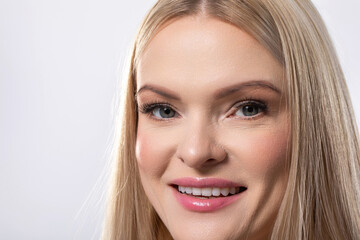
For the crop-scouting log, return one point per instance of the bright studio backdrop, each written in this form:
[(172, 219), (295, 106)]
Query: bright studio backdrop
[(59, 63)]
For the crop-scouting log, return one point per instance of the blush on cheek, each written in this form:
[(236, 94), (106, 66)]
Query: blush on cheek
[(151, 154), (262, 152), (270, 152)]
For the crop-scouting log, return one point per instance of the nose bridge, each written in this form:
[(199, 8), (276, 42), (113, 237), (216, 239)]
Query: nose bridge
[(199, 144)]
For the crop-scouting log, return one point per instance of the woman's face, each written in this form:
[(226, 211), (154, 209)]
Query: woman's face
[(212, 130)]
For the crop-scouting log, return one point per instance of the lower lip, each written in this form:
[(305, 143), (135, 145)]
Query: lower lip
[(204, 205)]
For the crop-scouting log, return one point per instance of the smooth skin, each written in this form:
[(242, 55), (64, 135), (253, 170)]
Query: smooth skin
[(211, 104)]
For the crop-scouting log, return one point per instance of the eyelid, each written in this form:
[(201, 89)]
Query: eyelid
[(250, 101)]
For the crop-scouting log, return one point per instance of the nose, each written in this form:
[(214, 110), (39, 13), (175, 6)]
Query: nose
[(199, 146)]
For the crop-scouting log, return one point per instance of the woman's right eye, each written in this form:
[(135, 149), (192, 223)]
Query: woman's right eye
[(158, 111), (163, 112)]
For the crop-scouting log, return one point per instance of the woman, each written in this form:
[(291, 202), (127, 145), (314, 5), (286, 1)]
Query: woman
[(236, 124)]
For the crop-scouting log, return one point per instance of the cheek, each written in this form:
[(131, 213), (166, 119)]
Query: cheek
[(270, 147), (153, 151), (262, 152)]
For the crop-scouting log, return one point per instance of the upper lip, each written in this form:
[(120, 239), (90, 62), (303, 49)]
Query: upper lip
[(205, 182)]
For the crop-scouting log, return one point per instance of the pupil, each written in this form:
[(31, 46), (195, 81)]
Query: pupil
[(250, 110), (167, 111)]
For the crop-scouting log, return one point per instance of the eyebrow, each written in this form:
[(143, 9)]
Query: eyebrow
[(158, 90), (221, 93)]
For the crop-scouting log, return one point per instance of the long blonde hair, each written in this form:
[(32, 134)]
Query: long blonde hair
[(322, 199)]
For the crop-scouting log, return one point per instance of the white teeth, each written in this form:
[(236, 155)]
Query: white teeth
[(181, 189), (216, 192), (208, 191), (196, 191), (225, 191)]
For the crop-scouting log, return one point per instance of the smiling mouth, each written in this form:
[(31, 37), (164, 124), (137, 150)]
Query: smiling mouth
[(209, 192)]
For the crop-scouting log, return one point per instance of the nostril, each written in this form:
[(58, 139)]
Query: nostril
[(214, 161), (210, 162)]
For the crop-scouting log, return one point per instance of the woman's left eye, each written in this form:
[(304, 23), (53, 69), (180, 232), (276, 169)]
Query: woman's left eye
[(250, 109)]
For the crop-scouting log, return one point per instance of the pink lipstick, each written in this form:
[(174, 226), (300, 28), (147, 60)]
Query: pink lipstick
[(206, 194)]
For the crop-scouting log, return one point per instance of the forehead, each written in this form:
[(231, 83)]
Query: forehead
[(198, 52)]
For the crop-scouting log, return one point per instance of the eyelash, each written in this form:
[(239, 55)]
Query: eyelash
[(148, 108)]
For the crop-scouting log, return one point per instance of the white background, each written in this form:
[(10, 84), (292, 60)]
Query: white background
[(59, 65)]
